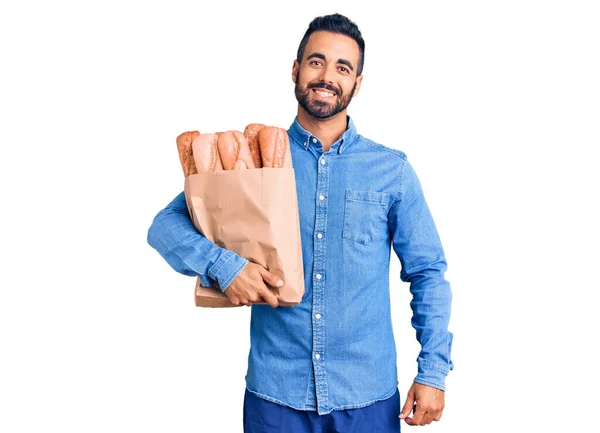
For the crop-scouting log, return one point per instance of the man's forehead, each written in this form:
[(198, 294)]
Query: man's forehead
[(332, 45)]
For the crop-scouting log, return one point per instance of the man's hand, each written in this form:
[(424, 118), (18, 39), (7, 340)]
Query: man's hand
[(426, 403), (249, 286)]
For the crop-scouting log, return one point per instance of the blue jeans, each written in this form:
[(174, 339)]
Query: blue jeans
[(263, 416)]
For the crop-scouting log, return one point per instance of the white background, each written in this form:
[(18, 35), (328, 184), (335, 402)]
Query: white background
[(496, 104)]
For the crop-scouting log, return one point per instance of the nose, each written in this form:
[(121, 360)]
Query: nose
[(327, 75)]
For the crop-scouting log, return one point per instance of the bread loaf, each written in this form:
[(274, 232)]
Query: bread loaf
[(206, 153), (234, 151), (274, 147), (184, 146), (258, 146), (251, 134)]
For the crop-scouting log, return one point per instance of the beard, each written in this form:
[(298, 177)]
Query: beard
[(322, 109)]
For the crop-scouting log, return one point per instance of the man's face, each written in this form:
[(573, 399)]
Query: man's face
[(326, 78)]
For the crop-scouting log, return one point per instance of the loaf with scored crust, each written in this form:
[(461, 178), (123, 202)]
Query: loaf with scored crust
[(234, 151), (274, 147), (206, 153), (251, 134), (184, 147)]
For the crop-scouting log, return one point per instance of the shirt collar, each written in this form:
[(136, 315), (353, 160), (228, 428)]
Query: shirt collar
[(305, 138)]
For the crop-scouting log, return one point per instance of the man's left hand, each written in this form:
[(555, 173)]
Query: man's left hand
[(425, 402)]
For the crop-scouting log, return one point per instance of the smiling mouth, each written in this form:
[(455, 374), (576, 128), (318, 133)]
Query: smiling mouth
[(325, 94)]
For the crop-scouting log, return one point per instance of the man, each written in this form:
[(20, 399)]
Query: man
[(329, 363)]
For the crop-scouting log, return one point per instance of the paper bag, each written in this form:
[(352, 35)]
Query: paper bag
[(253, 212)]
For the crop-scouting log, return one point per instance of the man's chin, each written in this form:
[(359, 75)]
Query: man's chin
[(322, 115), (320, 109)]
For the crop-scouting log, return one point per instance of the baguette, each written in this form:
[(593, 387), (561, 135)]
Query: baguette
[(234, 151), (251, 134), (184, 146), (206, 153), (274, 146)]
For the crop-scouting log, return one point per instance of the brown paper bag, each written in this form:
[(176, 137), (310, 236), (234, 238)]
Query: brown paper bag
[(253, 212)]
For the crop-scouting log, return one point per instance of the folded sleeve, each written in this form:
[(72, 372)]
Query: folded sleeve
[(417, 244), (173, 235)]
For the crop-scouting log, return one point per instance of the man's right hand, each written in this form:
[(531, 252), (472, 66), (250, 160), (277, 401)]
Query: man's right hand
[(249, 286)]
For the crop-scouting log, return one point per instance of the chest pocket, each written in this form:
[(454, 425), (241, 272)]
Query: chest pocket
[(365, 216)]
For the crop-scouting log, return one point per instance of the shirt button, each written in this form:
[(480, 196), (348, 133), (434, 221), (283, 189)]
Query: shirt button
[(319, 235), (318, 356), (321, 197), (322, 162), (318, 276), (314, 140), (318, 316)]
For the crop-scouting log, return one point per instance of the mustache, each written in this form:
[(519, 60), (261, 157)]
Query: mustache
[(326, 87)]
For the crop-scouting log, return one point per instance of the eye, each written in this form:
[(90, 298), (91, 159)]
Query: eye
[(343, 69), (315, 62)]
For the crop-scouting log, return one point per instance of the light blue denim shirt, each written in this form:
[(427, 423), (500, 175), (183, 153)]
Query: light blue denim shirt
[(336, 349)]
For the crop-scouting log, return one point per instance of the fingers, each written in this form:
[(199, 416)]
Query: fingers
[(269, 296), (408, 405), (253, 298), (239, 295), (422, 416), (270, 278), (411, 420), (264, 291), (251, 287)]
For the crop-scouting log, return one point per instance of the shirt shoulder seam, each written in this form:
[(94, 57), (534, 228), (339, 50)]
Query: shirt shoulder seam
[(379, 146), (399, 153)]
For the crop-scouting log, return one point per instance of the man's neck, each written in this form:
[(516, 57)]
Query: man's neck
[(327, 130)]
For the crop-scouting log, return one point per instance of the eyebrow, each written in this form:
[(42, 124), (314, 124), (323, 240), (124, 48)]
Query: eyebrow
[(322, 57)]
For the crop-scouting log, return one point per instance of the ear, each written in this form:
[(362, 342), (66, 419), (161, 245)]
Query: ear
[(358, 84), (295, 70)]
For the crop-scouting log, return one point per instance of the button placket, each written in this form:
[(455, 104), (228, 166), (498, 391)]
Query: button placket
[(321, 389)]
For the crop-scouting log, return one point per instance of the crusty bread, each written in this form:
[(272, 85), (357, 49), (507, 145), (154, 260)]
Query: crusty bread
[(184, 146), (274, 147), (251, 134), (234, 151), (206, 153)]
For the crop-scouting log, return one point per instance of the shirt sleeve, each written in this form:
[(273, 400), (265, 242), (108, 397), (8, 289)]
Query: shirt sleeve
[(416, 242), (187, 251)]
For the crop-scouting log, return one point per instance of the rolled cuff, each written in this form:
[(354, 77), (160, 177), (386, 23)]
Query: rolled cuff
[(432, 374), (227, 268), (206, 281)]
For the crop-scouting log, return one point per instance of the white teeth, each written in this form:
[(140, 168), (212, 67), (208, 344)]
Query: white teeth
[(324, 94)]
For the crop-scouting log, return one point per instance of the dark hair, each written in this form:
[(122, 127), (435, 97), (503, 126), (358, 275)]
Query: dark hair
[(335, 23)]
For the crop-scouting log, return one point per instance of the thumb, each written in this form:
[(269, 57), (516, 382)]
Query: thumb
[(408, 405), (270, 278)]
